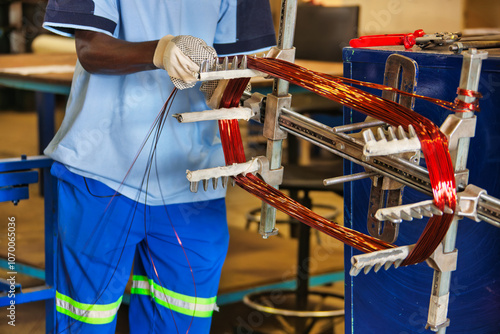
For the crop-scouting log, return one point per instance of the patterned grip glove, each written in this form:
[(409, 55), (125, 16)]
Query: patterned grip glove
[(181, 57)]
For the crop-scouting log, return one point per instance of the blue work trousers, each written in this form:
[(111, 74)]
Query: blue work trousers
[(177, 252)]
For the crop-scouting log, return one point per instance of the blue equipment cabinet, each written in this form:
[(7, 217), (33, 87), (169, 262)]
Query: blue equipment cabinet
[(397, 300)]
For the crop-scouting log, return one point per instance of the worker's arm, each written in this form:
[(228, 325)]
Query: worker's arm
[(102, 54)]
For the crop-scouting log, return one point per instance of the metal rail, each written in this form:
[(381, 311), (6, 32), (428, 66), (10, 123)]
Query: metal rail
[(349, 148)]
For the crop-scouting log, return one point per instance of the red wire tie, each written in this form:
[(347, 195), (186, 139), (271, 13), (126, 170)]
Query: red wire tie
[(468, 92), (462, 106)]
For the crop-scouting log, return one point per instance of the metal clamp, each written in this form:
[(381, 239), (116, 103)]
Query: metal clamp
[(274, 104), (407, 212), (468, 201), (384, 258), (399, 141), (283, 54), (227, 69), (256, 103), (441, 261), (273, 177), (455, 128), (215, 114), (258, 165)]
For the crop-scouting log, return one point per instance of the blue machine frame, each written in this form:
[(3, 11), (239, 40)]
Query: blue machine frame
[(15, 175), (397, 300)]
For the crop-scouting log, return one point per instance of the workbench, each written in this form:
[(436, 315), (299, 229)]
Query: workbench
[(46, 75)]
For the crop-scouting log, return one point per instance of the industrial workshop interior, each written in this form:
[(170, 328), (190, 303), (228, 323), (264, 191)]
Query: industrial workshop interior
[(354, 143)]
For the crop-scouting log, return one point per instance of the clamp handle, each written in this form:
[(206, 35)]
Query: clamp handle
[(408, 40)]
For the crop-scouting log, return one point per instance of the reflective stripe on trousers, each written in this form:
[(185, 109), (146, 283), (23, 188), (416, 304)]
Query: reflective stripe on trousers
[(95, 314), (194, 306)]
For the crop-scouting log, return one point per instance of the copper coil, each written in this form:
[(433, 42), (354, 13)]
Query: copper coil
[(434, 147)]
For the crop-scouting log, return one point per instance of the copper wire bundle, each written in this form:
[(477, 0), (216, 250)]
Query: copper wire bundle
[(434, 147), (234, 153)]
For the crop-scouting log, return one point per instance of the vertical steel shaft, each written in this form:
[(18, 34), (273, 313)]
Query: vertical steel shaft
[(438, 308), (280, 89)]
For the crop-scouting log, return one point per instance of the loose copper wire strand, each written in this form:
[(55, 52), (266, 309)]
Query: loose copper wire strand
[(434, 143)]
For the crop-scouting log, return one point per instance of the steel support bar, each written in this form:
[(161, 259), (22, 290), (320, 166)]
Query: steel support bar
[(280, 89), (438, 309)]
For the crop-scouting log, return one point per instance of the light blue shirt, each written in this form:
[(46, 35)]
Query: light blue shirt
[(108, 119)]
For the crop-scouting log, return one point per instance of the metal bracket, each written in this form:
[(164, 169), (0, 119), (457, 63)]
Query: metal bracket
[(273, 177), (462, 179), (468, 201), (283, 54), (274, 104), (215, 114), (257, 104), (399, 141), (407, 212), (258, 165), (443, 261), (387, 231), (400, 72), (227, 69), (15, 176), (384, 258), (455, 128), (395, 256)]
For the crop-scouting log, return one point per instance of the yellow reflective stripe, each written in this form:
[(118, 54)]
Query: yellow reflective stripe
[(95, 314), (171, 306), (173, 294), (144, 286), (88, 320)]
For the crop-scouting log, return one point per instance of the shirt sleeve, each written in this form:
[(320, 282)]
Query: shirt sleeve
[(246, 26), (64, 16)]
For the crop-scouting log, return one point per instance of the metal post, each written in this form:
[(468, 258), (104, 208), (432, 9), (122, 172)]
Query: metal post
[(280, 89), (51, 234), (437, 320), (45, 105)]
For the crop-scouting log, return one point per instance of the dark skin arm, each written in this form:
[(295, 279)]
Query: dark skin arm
[(102, 54)]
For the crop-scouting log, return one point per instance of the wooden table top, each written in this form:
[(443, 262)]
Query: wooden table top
[(39, 68), (33, 61)]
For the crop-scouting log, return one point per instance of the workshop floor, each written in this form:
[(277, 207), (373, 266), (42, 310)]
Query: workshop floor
[(18, 136)]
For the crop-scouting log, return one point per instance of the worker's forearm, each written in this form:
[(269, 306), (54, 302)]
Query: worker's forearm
[(103, 54)]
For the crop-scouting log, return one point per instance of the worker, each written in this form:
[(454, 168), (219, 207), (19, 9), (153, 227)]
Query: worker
[(123, 195)]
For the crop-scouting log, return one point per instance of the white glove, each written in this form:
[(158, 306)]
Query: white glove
[(181, 57)]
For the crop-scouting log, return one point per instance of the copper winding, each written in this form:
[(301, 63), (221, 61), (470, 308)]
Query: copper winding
[(434, 147)]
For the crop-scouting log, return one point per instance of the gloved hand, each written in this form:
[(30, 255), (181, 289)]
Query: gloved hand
[(181, 57)]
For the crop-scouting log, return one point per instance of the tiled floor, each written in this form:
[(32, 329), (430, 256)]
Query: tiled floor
[(18, 136)]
